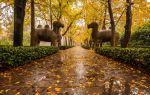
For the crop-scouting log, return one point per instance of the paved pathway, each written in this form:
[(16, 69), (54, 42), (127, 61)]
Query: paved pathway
[(75, 71)]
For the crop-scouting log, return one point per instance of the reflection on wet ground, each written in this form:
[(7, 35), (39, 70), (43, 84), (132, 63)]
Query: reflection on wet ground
[(74, 71)]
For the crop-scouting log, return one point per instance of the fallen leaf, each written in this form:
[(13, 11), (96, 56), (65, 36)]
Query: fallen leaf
[(82, 86), (18, 93), (58, 89), (7, 90), (58, 81), (58, 76), (70, 81), (37, 93), (51, 93), (17, 82), (1, 91), (89, 83), (29, 83), (49, 89)]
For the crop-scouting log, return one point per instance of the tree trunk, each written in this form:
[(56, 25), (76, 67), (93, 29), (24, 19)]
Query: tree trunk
[(128, 25), (67, 28), (112, 23), (66, 41), (32, 24), (71, 42), (50, 14), (104, 21), (19, 14)]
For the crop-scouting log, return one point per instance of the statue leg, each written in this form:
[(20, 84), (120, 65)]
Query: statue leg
[(59, 43), (95, 45), (92, 45), (55, 43), (116, 41), (101, 44), (37, 42), (111, 43)]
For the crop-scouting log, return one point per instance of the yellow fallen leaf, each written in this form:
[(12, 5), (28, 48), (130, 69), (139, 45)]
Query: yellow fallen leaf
[(7, 90), (49, 87), (29, 83), (1, 91), (18, 93), (51, 93), (82, 86), (17, 82), (89, 83), (58, 76), (58, 81), (70, 81), (37, 93), (58, 89)]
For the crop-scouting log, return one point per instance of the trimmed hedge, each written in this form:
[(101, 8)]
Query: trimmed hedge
[(65, 47), (139, 57), (16, 56), (86, 47)]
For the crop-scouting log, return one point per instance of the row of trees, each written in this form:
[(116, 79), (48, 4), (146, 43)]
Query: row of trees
[(19, 11)]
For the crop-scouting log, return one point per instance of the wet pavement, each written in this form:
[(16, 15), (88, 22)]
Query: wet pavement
[(75, 71)]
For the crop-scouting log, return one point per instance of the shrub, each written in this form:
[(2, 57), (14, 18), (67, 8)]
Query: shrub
[(16, 56), (65, 47), (86, 47), (141, 37), (139, 57)]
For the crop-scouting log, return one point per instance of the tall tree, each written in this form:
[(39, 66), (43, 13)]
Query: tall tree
[(32, 23), (128, 25), (104, 20), (112, 22), (50, 13), (19, 14)]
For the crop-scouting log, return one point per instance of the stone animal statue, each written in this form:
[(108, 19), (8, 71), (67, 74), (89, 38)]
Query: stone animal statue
[(47, 35), (98, 37)]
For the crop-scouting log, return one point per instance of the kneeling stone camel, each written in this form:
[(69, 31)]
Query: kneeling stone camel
[(48, 35), (102, 36)]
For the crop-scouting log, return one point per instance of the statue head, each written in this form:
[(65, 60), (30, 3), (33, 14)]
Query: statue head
[(93, 25), (58, 24)]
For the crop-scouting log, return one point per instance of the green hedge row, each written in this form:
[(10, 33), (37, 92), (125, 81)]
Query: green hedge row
[(65, 47), (16, 56), (86, 47), (139, 57)]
